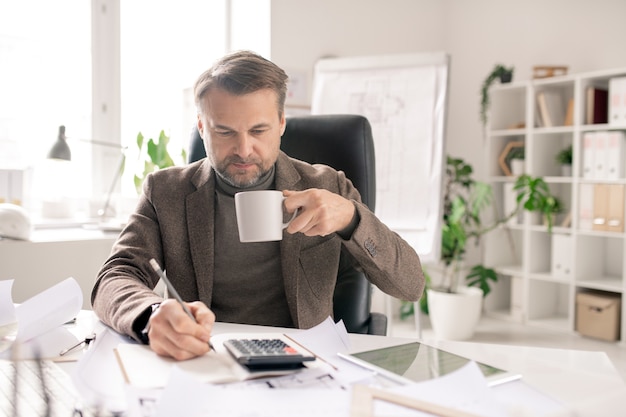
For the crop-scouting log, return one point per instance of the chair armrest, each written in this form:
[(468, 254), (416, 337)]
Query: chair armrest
[(378, 324)]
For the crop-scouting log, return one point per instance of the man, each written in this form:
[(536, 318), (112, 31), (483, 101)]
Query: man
[(185, 219)]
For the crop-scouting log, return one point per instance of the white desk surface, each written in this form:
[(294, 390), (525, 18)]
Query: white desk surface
[(586, 381)]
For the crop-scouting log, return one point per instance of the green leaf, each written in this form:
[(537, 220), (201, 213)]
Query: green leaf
[(479, 276), (139, 141), (407, 309), (138, 182)]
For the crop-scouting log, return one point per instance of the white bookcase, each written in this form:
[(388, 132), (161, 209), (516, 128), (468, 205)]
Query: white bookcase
[(549, 269)]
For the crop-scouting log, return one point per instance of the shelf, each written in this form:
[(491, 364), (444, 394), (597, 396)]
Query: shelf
[(548, 277), (595, 233), (507, 132), (552, 130), (605, 284), (543, 272), (598, 126), (513, 270)]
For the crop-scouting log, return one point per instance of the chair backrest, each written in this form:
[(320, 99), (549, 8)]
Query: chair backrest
[(345, 143)]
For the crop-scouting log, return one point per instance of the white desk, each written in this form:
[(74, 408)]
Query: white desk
[(585, 381)]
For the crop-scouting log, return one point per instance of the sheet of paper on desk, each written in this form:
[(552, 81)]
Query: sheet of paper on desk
[(97, 376), (144, 368), (49, 309), (40, 319), (325, 339), (465, 389)]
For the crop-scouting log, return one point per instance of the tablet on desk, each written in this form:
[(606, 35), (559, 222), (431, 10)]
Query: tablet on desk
[(416, 362)]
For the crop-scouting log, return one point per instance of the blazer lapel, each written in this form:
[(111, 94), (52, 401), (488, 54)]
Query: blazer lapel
[(200, 213)]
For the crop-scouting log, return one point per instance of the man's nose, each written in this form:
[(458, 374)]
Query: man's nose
[(244, 146)]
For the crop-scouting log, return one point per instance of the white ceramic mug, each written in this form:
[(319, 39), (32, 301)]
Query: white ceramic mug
[(260, 215)]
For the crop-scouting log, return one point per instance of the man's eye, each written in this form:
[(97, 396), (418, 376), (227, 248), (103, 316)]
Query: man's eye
[(258, 131), (223, 132)]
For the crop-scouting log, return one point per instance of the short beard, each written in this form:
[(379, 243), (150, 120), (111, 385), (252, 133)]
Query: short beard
[(231, 180)]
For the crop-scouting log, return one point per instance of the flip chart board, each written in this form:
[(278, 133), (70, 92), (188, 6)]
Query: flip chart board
[(404, 98)]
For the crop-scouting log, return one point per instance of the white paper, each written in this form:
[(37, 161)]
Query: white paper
[(145, 369), (324, 340), (97, 376), (49, 309), (217, 401), (465, 389)]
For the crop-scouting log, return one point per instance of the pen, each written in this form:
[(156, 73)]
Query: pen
[(170, 287)]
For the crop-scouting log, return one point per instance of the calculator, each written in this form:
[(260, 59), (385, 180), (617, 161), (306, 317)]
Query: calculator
[(266, 353)]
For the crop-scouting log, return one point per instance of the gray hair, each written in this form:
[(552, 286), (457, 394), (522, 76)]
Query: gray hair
[(241, 73)]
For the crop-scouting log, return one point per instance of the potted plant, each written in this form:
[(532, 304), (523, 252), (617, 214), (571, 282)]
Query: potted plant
[(464, 202), (533, 195), (499, 72), (564, 158), (155, 156)]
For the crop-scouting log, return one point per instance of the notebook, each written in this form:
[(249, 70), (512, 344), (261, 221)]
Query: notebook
[(416, 362)]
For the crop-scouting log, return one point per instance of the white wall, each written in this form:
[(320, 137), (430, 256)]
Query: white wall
[(304, 31), (585, 35)]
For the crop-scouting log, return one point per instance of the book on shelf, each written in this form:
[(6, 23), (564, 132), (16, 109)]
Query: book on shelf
[(551, 109), (569, 116), (597, 106)]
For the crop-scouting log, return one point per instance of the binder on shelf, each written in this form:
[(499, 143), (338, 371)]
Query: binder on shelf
[(616, 146), (615, 208), (600, 155), (551, 108), (597, 105), (588, 154), (561, 256), (600, 206), (585, 204), (617, 101)]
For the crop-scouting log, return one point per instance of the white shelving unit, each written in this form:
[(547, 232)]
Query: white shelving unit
[(549, 269)]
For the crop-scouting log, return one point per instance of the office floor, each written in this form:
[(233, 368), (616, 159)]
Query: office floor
[(505, 333)]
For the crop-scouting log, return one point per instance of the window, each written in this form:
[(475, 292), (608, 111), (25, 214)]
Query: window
[(107, 74), (45, 81), (165, 45)]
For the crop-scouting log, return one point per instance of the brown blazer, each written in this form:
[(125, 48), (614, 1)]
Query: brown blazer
[(173, 223)]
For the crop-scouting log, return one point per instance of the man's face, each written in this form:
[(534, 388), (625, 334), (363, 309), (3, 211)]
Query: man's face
[(241, 134)]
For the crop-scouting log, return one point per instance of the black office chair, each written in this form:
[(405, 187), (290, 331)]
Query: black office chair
[(345, 143)]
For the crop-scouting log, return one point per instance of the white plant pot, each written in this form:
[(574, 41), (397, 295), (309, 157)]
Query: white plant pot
[(455, 316), (517, 167), (566, 170)]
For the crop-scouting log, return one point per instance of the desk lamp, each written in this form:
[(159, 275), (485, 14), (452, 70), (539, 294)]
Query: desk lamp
[(61, 150)]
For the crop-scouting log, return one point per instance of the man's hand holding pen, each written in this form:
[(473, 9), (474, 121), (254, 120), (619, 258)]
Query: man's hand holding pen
[(173, 333)]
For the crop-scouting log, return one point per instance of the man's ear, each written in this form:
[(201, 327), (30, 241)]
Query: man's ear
[(283, 124), (200, 126)]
